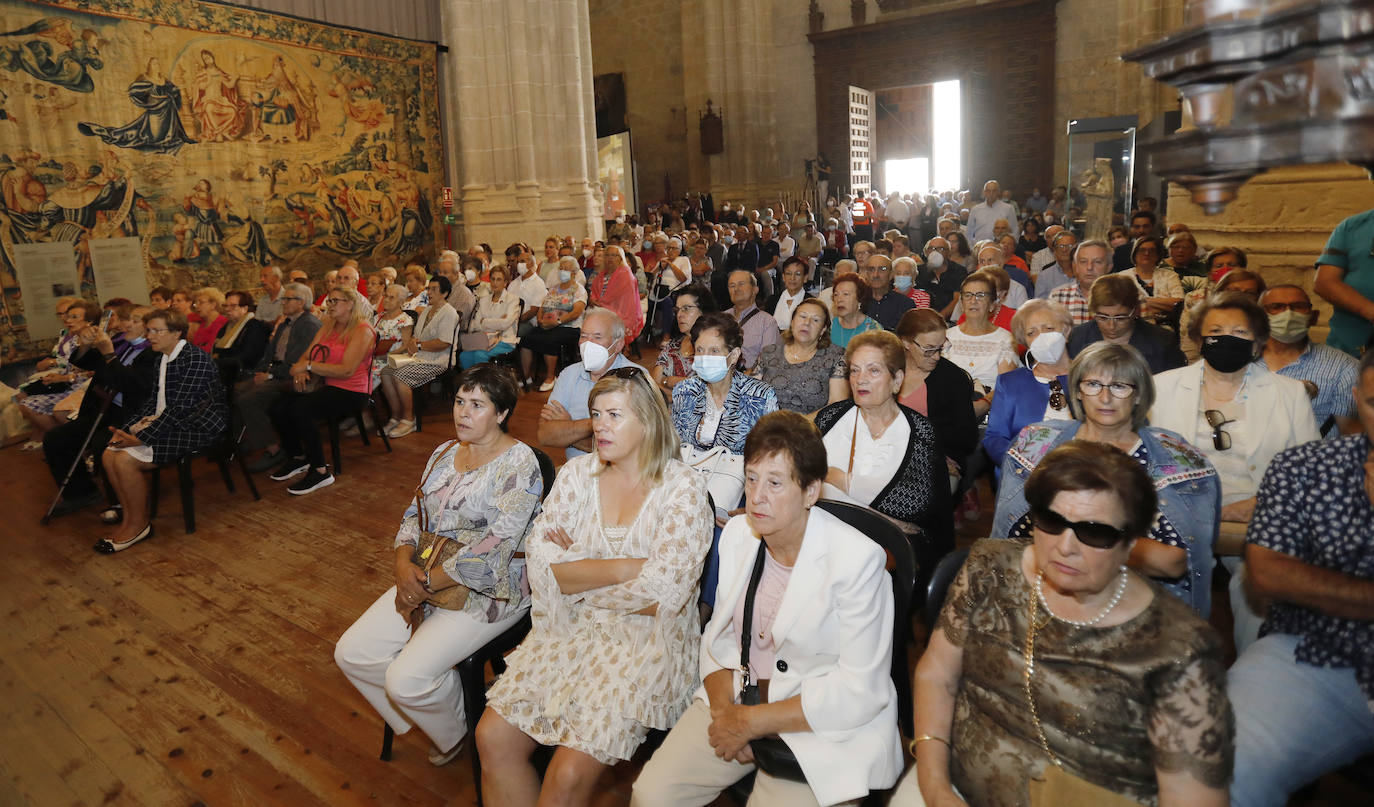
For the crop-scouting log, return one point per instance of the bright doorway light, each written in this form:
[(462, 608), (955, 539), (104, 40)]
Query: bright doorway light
[(947, 135), (907, 176)]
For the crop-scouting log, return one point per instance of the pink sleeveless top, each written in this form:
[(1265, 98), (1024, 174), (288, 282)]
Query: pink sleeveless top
[(360, 381)]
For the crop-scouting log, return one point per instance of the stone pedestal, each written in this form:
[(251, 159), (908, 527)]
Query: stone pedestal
[(520, 112)]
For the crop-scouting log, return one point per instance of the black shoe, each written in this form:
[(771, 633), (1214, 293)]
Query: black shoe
[(107, 547), (312, 481), (289, 468), (267, 461), (70, 504)]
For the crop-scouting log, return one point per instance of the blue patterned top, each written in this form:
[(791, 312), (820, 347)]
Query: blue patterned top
[(748, 400), (1312, 506)]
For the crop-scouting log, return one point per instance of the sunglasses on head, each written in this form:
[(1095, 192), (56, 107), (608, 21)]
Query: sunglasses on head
[(1088, 533), (631, 373)]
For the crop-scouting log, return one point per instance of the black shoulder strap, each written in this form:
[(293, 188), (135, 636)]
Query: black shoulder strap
[(749, 316), (747, 629)]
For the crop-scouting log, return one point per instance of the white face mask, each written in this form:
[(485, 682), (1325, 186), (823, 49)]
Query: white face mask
[(727, 240), (935, 260), (1048, 347), (564, 275), (471, 276), (586, 253), (520, 267), (594, 356), (710, 368)]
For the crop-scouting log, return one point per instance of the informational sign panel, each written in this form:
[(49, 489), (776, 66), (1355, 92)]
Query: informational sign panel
[(118, 266), (47, 272)]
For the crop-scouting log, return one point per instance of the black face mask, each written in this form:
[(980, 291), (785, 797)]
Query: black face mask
[(1226, 353)]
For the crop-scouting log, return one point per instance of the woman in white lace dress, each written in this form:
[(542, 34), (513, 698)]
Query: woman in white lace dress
[(613, 564)]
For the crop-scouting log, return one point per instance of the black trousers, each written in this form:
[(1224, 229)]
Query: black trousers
[(295, 414), (62, 445)]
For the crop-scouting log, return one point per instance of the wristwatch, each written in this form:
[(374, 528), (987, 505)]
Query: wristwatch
[(307, 367), (428, 587)]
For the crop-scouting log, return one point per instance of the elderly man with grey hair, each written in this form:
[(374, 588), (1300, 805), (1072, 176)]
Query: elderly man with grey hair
[(565, 420), (267, 306), (272, 376)]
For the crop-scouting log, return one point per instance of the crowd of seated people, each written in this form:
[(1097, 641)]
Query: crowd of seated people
[(890, 380)]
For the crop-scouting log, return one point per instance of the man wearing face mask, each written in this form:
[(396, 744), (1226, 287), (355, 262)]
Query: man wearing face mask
[(565, 420), (941, 278), (1327, 373), (884, 304), (529, 287)]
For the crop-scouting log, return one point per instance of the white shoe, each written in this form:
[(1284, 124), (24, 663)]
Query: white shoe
[(401, 429), (546, 386), (390, 424), (32, 445)]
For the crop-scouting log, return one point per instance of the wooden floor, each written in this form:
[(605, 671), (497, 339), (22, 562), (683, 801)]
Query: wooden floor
[(198, 669)]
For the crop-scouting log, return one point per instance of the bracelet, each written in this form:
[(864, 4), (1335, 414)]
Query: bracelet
[(911, 747), (429, 588)]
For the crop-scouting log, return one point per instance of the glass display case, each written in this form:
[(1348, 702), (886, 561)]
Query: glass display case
[(1101, 173)]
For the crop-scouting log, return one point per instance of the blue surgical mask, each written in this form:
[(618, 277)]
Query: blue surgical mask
[(902, 283), (710, 368), (564, 275)]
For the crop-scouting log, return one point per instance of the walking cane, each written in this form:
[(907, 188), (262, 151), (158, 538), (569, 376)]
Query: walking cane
[(105, 399)]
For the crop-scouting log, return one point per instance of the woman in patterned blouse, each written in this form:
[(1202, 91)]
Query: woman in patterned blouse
[(479, 491)]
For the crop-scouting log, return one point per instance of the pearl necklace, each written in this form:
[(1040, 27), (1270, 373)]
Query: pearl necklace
[(1116, 598)]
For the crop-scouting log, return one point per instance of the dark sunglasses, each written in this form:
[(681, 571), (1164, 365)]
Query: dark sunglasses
[(1088, 533), (631, 373), (1220, 439)]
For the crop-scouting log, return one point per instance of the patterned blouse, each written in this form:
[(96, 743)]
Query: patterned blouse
[(1116, 703), (747, 400), (803, 387), (672, 361), (488, 510), (1312, 506), (387, 329)]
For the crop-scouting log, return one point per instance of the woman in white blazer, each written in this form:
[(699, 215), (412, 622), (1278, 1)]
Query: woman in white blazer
[(1238, 414), (820, 646)]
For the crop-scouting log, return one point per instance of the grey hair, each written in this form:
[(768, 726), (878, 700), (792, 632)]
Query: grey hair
[(617, 324), (302, 291), (1122, 363), (275, 270), (1029, 308), (846, 265)]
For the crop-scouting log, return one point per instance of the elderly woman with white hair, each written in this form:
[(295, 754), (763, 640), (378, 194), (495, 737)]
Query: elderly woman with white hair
[(904, 272), (1038, 391), (559, 323), (827, 295), (671, 271)]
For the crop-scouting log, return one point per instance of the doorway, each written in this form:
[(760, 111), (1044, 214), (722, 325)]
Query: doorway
[(918, 137)]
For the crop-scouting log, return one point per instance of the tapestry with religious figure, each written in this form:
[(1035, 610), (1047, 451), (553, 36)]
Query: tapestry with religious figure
[(221, 138)]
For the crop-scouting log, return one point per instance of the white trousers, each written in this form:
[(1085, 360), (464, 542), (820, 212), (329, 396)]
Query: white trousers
[(411, 681), (685, 772)]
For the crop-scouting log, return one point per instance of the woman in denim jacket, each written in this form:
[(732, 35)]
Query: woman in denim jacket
[(1110, 393)]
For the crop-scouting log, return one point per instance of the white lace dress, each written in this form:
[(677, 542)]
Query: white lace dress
[(593, 675)]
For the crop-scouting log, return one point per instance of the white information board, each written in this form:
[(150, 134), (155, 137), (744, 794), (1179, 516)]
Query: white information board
[(118, 266), (47, 271)]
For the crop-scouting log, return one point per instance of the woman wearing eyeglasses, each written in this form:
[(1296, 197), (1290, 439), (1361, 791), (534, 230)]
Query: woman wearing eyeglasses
[(1114, 310), (1052, 659), (936, 388), (1237, 412), (613, 562), (977, 345), (1038, 391), (1110, 391), (675, 356)]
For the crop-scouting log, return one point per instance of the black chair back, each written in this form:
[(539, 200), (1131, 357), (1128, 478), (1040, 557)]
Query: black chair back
[(945, 572), (546, 470), (902, 569)]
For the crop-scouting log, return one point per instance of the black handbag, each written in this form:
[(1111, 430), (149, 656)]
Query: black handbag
[(771, 754)]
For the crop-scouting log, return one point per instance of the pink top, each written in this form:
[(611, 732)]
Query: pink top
[(620, 293), (360, 381), (917, 401), (767, 601)]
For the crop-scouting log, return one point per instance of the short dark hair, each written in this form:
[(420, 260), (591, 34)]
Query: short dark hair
[(497, 382), (161, 291), (175, 320), (1154, 239), (724, 324), (1145, 214), (245, 299), (444, 284), (793, 260), (861, 287), (1082, 465), (1234, 301), (792, 435), (705, 299)]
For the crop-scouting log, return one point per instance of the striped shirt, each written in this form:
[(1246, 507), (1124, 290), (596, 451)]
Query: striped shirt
[(1335, 373), (1071, 298)]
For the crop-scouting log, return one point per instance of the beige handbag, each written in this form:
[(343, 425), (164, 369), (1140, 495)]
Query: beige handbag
[(433, 549), (1059, 788)]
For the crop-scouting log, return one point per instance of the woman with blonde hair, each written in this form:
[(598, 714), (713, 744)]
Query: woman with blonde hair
[(613, 562), (340, 354), (209, 304)]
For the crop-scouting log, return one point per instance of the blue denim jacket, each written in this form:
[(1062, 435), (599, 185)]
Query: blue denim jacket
[(1187, 485)]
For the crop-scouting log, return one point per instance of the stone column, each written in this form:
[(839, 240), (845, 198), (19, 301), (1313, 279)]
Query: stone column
[(519, 102)]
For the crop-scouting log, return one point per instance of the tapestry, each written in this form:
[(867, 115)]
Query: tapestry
[(222, 138)]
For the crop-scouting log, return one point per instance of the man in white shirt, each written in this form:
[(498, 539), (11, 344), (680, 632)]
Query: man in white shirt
[(787, 246), (794, 273), (984, 215), (531, 290), (897, 212), (1044, 257)]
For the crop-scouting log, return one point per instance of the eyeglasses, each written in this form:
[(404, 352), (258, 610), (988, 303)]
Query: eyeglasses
[(336, 301), (1058, 400), (1279, 308), (1220, 439), (157, 330), (929, 352), (1119, 319), (975, 295), (1118, 389), (688, 307), (1089, 533)]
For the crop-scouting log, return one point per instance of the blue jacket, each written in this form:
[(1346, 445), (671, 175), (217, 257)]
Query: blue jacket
[(1188, 487), (1019, 401)]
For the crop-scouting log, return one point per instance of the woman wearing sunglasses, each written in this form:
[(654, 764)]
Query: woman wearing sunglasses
[(1052, 659), (932, 379), (1110, 391)]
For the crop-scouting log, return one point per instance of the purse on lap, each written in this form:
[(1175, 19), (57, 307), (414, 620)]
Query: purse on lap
[(771, 754), (433, 549), (318, 353)]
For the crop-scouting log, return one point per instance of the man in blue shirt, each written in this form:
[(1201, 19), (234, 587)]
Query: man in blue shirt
[(1303, 694), (1345, 277), (884, 304), (565, 420), (1328, 374)]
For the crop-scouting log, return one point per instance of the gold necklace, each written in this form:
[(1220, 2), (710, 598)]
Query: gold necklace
[(1028, 653)]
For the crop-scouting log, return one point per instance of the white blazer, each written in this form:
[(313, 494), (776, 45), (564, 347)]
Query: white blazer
[(1278, 412), (833, 634)]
